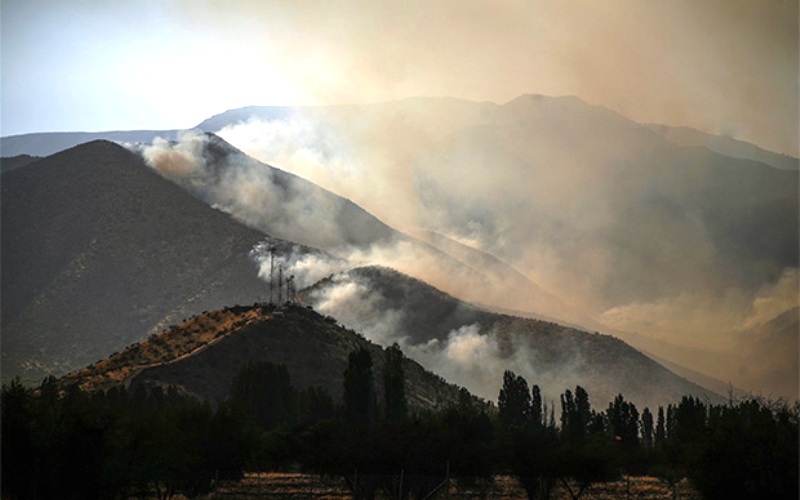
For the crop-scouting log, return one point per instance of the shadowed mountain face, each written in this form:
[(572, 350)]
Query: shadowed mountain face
[(203, 355), (13, 162), (473, 347), (99, 251)]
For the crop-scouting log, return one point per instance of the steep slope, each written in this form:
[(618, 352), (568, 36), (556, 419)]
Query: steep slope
[(202, 355), (472, 347), (98, 251), (289, 207)]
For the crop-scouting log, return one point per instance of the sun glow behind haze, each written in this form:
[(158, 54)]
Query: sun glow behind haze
[(723, 66)]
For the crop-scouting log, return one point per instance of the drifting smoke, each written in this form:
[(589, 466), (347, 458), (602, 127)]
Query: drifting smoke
[(286, 206), (306, 268), (258, 195), (465, 357), (469, 355), (631, 233), (598, 210)]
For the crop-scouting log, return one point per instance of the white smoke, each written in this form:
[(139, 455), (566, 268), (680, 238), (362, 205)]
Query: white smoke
[(469, 355), (306, 268), (254, 193), (532, 202)]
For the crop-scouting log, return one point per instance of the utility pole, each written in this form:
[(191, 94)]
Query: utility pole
[(280, 284), (290, 290), (271, 274)]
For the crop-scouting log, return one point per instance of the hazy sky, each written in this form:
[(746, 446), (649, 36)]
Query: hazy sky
[(724, 66)]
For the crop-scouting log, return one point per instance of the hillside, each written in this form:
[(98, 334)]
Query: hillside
[(99, 251), (472, 347), (203, 354), (8, 163), (289, 207)]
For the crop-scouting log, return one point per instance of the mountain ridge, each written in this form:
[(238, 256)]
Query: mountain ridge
[(202, 356), (92, 238)]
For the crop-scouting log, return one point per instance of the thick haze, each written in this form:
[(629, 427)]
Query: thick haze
[(723, 66), (693, 249), (678, 244)]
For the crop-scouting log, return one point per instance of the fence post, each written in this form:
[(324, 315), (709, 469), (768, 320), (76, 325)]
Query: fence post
[(400, 488), (447, 482)]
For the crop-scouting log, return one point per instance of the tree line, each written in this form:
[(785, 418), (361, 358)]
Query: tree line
[(150, 440)]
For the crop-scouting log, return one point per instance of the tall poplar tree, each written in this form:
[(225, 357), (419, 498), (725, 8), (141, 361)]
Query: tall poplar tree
[(394, 385), (359, 396)]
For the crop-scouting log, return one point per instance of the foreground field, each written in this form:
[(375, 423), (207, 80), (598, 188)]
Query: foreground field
[(297, 486)]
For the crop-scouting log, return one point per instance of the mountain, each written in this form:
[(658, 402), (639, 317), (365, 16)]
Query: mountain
[(473, 347), (569, 210), (510, 281), (589, 204), (644, 234), (689, 137), (291, 208), (202, 355), (48, 143), (769, 362), (99, 251)]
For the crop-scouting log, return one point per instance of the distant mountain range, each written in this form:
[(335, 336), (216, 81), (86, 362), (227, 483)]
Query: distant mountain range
[(542, 207), (100, 252)]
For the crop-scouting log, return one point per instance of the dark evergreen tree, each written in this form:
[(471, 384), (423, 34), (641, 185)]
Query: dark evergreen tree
[(623, 421), (265, 389), (527, 446), (314, 404), (394, 385), (582, 407), (568, 410), (661, 431), (647, 428), (19, 450), (575, 414), (689, 421), (670, 422), (359, 394), (750, 451), (514, 401), (537, 412)]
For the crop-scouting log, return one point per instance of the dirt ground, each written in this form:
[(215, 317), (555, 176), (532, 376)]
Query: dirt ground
[(298, 486)]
